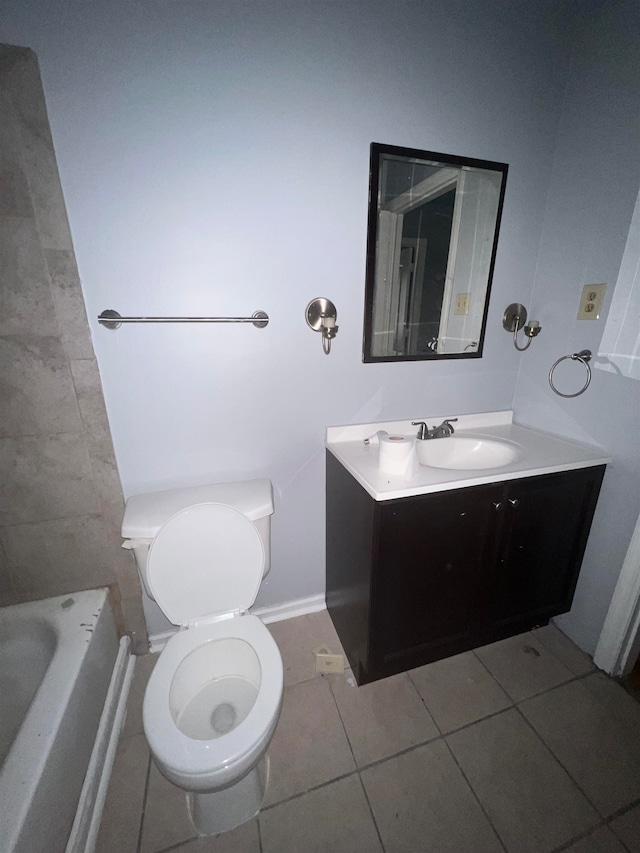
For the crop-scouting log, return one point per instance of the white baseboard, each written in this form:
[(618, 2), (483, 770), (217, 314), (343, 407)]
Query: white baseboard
[(157, 642), (270, 613), (290, 609)]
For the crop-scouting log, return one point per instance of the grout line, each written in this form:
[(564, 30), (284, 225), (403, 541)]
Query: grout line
[(475, 796), (623, 811), (559, 763), (604, 824), (426, 707), (489, 716), (260, 849), (483, 664), (309, 790), (371, 812), (144, 803), (378, 761), (516, 702), (344, 728), (180, 844), (567, 845), (373, 818)]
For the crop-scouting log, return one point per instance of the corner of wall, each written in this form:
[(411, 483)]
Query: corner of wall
[(59, 485)]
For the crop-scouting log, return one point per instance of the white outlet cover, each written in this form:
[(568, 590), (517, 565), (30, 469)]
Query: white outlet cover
[(462, 303), (591, 301)]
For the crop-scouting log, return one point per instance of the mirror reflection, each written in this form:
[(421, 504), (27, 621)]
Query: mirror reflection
[(433, 233)]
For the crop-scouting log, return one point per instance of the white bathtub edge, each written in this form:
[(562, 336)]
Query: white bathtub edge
[(85, 828)]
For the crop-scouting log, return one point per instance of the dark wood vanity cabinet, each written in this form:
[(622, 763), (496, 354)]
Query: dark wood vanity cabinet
[(417, 579)]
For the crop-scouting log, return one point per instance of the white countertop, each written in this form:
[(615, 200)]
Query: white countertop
[(538, 453)]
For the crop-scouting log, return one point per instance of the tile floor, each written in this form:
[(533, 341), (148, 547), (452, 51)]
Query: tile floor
[(521, 746)]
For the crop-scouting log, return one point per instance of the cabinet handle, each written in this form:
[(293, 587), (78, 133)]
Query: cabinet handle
[(498, 506), (515, 502)]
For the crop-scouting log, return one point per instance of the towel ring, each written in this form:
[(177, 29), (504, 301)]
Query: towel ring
[(584, 357)]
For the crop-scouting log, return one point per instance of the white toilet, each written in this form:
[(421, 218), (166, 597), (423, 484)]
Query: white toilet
[(213, 699)]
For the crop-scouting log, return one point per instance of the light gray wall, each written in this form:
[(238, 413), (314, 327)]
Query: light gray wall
[(60, 496), (594, 185), (215, 161), (214, 158)]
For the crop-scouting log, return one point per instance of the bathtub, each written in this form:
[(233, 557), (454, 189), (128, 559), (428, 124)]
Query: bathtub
[(57, 662)]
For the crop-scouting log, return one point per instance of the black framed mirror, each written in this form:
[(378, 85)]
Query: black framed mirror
[(432, 237)]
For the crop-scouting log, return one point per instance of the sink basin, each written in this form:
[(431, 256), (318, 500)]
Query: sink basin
[(465, 452)]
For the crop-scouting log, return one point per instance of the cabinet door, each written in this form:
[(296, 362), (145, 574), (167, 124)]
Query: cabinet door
[(546, 523), (430, 557)]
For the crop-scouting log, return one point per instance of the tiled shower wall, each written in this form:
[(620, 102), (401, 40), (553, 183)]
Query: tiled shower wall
[(61, 500)]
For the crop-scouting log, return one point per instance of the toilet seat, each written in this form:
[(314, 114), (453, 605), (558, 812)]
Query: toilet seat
[(207, 764), (205, 566), (206, 561)]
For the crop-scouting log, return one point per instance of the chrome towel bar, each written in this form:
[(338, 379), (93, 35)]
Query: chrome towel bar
[(112, 320)]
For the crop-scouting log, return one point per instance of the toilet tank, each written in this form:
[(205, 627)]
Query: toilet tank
[(145, 514)]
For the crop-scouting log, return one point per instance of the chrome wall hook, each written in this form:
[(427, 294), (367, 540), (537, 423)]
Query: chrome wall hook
[(514, 318), (321, 316)]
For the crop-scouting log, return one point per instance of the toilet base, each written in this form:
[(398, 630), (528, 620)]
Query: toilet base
[(223, 810)]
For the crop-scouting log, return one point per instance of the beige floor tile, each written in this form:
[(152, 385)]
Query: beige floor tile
[(296, 645), (298, 637), (564, 649), (309, 745), (143, 669), (122, 814), (382, 718), (616, 700), (243, 839), (331, 819), (421, 802), (598, 748), (602, 840), (322, 631), (523, 666), (166, 818), (459, 690), (627, 828), (421, 799), (532, 802)]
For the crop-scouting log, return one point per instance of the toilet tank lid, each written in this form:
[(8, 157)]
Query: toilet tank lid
[(145, 514)]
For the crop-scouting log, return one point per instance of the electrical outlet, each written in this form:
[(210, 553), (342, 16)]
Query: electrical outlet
[(462, 303), (329, 663), (591, 301)]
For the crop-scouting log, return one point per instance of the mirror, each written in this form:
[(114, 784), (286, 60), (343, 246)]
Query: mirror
[(431, 246)]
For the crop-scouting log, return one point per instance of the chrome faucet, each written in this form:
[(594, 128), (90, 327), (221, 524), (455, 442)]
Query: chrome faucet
[(444, 430)]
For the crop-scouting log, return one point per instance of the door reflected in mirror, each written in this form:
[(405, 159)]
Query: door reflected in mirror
[(431, 246)]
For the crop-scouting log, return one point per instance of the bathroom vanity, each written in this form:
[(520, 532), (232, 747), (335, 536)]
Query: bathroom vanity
[(439, 561)]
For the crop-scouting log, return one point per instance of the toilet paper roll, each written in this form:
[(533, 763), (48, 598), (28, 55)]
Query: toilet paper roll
[(395, 453)]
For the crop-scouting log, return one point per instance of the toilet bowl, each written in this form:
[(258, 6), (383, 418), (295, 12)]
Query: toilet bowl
[(213, 699)]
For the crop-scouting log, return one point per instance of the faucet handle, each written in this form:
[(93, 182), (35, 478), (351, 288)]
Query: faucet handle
[(448, 423), (424, 429)]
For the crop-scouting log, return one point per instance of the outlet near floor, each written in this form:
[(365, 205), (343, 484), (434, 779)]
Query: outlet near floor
[(329, 663)]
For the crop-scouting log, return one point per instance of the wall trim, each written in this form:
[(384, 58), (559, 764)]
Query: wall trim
[(290, 609), (618, 643), (270, 613)]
